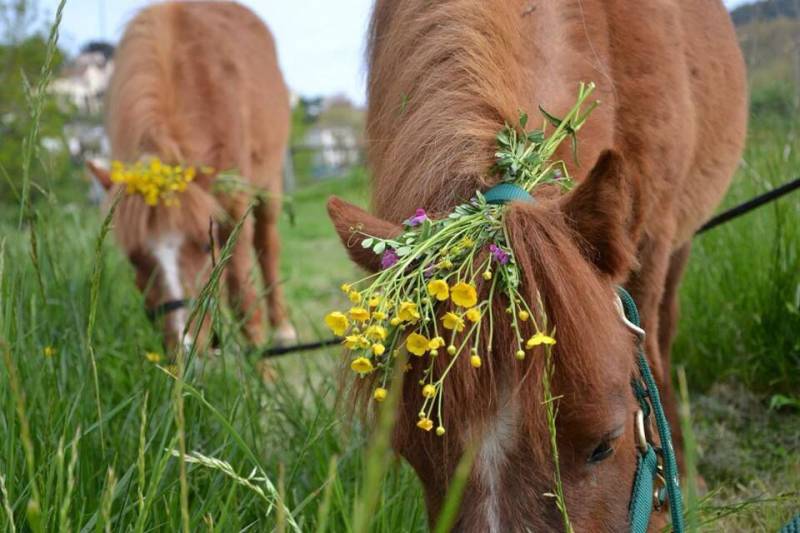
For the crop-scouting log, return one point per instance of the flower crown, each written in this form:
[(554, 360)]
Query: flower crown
[(155, 181), (437, 263)]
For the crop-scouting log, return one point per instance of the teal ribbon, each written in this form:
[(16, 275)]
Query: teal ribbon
[(502, 193), (646, 391)]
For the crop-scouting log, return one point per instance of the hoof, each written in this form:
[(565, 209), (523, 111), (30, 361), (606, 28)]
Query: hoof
[(285, 335)]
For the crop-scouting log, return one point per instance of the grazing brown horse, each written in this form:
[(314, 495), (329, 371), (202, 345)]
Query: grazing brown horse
[(198, 84), (654, 161)]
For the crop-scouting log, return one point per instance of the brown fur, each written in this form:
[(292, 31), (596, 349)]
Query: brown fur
[(198, 83), (444, 76)]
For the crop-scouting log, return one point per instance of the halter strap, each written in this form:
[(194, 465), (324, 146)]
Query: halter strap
[(166, 308), (648, 469), (502, 193)]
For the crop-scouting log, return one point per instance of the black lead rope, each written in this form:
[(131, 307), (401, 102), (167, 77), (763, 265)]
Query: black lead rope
[(748, 206), (725, 216), (166, 308)]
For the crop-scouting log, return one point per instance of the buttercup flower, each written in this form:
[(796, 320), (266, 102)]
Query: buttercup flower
[(539, 338), (359, 313), (353, 342), (435, 343), (475, 361), (362, 365), (380, 394), (153, 357), (463, 294), (453, 321), (48, 351), (429, 391), (417, 344), (425, 424), (438, 289), (378, 349), (374, 301), (408, 312), (346, 288), (379, 315), (354, 296), (473, 314), (337, 323), (523, 316), (376, 333)]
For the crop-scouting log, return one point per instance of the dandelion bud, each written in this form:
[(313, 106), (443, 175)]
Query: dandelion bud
[(451, 350), (475, 361), (439, 431), (487, 275), (523, 316), (520, 355), (434, 353), (429, 391)]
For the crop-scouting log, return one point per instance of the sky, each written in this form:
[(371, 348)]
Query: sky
[(320, 42)]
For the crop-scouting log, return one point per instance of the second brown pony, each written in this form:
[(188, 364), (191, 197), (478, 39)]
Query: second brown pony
[(198, 84), (655, 159)]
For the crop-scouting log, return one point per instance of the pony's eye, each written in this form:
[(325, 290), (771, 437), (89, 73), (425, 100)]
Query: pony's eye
[(603, 451)]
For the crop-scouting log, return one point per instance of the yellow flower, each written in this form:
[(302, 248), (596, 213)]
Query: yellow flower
[(425, 424), (355, 341), (49, 351), (395, 321), (346, 288), (379, 315), (337, 323), (378, 349), (487, 275), (408, 312), (475, 361), (153, 357), (359, 313), (435, 343), (380, 394), (374, 301), (438, 289), (539, 338), (523, 316), (417, 344), (362, 365), (473, 314), (354, 296), (429, 391), (376, 333), (440, 431), (453, 321), (466, 242), (172, 370), (520, 355), (463, 294)]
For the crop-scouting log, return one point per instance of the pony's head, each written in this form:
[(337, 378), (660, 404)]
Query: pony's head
[(572, 250), (170, 246)]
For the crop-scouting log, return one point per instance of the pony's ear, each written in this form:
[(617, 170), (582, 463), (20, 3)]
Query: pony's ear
[(604, 212), (103, 175), (353, 224)]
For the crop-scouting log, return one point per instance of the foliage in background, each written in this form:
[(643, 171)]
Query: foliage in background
[(22, 53)]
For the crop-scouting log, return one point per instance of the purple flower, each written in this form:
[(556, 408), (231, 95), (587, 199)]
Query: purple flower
[(389, 258), (419, 217), (500, 255)]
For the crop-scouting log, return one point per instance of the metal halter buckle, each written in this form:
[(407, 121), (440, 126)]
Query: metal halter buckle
[(630, 325)]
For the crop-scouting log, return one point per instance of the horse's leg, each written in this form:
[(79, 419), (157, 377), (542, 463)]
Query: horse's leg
[(267, 245), (242, 292), (667, 327)]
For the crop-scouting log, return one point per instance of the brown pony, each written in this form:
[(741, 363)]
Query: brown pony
[(198, 84), (654, 161)]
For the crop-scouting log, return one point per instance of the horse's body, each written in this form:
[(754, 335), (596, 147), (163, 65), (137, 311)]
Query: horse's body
[(198, 83), (444, 76)]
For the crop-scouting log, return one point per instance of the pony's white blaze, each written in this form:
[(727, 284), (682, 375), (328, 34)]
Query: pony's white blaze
[(499, 438), (167, 250)]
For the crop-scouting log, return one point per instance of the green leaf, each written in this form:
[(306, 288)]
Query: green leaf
[(523, 119), (555, 121), (379, 247)]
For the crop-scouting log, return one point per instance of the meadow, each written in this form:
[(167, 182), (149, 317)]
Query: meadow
[(95, 418)]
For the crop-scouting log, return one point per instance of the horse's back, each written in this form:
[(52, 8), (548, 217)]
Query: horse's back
[(210, 70)]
